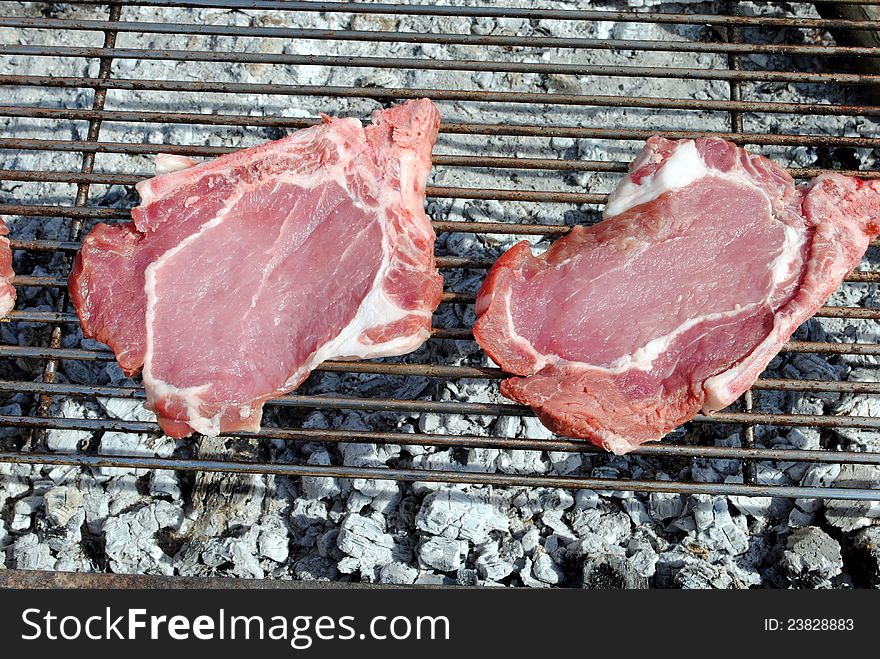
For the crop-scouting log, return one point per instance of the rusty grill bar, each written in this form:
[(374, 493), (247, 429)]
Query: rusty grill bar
[(734, 38)]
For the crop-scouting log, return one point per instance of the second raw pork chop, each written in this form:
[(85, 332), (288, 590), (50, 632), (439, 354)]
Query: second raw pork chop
[(708, 259), (240, 275), (7, 289)]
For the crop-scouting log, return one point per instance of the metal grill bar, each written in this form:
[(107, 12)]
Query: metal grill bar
[(517, 130), (437, 476), (458, 334), (565, 445), (443, 39), (859, 313), (444, 407), (516, 12), (447, 160), (506, 228), (398, 94), (411, 63), (443, 262)]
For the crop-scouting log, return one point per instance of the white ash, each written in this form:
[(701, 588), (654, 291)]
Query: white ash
[(124, 443), (130, 539), (442, 554), (70, 441), (366, 544), (468, 514), (398, 573), (812, 558), (851, 515), (703, 575), (316, 487)]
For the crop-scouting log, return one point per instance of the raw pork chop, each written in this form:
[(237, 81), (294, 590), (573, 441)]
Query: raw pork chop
[(707, 262), (240, 275), (7, 290)]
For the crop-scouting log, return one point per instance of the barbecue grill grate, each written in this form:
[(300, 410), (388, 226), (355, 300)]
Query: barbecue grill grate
[(100, 86)]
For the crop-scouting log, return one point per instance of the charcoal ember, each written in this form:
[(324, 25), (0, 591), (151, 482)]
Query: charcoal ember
[(442, 554), (495, 562), (305, 513), (61, 504), (598, 531), (320, 487), (273, 543), (467, 577), (772, 475), (811, 558), (523, 462), (702, 471), (716, 526), (560, 547), (365, 543), (607, 571), (234, 556), (530, 540), (849, 515), (637, 511), (30, 553), (96, 502), (427, 578), (543, 500), (455, 513), (315, 568), (65, 539), (22, 512), (665, 505), (438, 460), (821, 475), (69, 441), (546, 570), (552, 519), (564, 463), (858, 438), (356, 502), (124, 443), (704, 575), (526, 576), (670, 561), (586, 499), (165, 484), (506, 426), (398, 573), (865, 551), (130, 539), (747, 568), (642, 550), (798, 518), (482, 459), (758, 508), (384, 494), (127, 409), (328, 546), (803, 438), (643, 562), (4, 537), (534, 429)]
